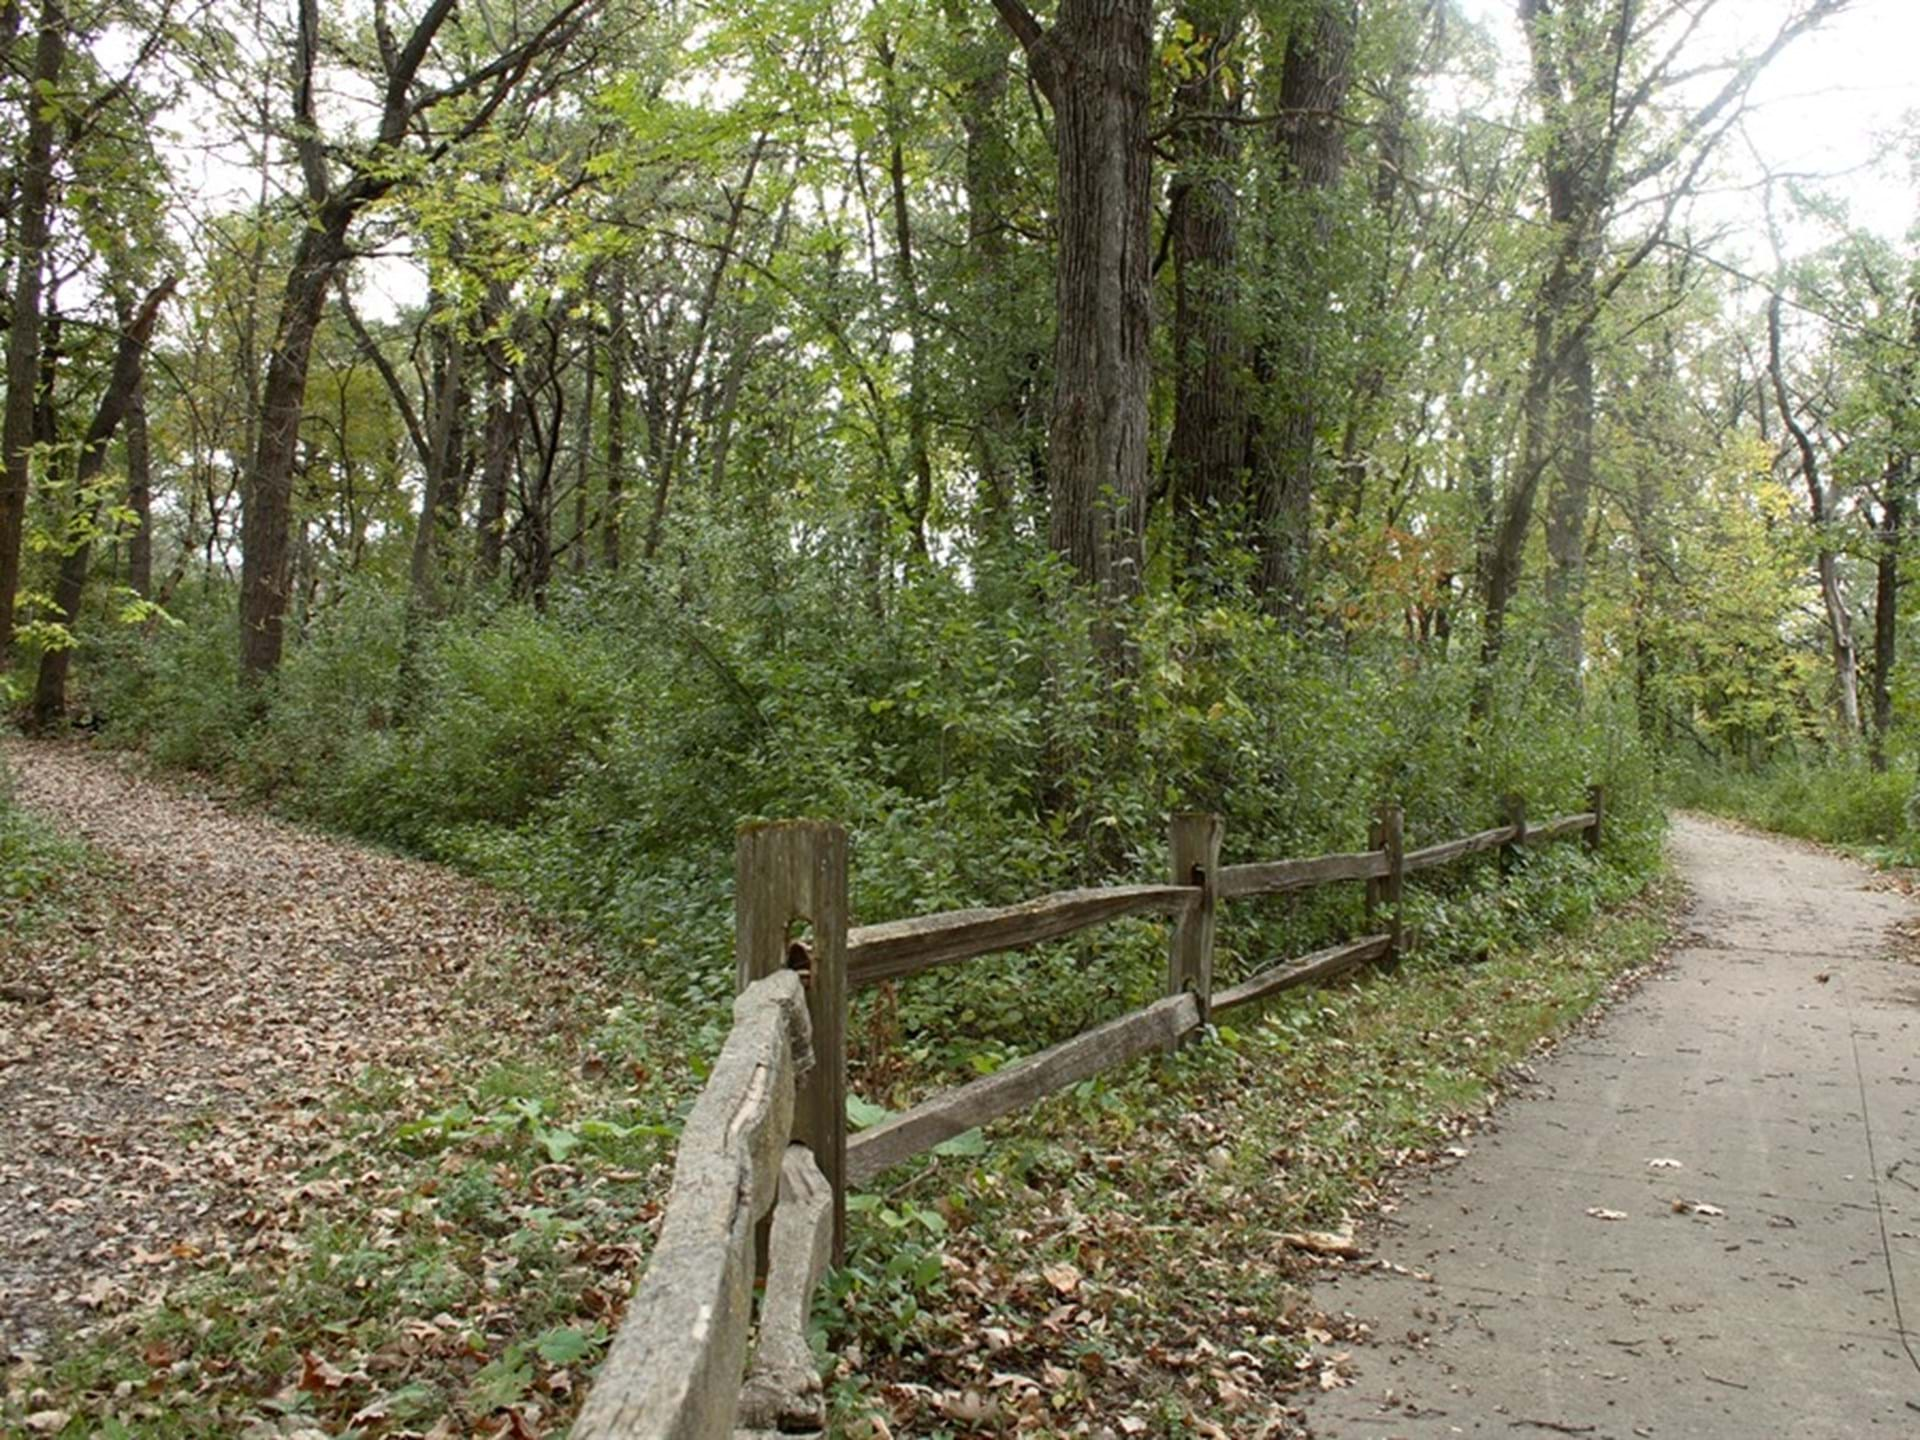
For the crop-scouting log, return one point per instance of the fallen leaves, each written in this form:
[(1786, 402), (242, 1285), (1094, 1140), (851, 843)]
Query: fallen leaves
[(1325, 1242), (1600, 1212), (235, 1013)]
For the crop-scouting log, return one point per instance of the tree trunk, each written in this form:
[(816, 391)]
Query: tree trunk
[(919, 420), (999, 350), (439, 521), (616, 424), (1886, 611), (1094, 66), (583, 471), (1567, 505), (1283, 454), (139, 492), (30, 223), (50, 688), (1207, 454), (1833, 599), (505, 416), (267, 516)]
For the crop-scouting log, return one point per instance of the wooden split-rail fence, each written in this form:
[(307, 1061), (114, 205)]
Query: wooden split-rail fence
[(765, 1161)]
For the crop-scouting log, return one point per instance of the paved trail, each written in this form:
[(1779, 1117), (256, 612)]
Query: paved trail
[(1778, 1062)]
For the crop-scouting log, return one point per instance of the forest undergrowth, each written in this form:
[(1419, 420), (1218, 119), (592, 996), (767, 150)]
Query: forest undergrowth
[(442, 1247), (469, 1224)]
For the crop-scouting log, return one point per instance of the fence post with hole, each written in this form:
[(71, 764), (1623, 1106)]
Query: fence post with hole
[(1597, 803), (1194, 842), (790, 912)]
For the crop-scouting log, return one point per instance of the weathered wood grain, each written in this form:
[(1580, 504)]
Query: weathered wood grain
[(899, 948), (1557, 828), (1193, 842), (675, 1367), (1020, 1084), (1277, 877), (788, 874), (1448, 851), (1321, 965), (783, 1392)]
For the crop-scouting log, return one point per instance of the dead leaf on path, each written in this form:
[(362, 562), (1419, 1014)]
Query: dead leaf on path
[(1324, 1242), (317, 1375), (1600, 1212), (1061, 1276)]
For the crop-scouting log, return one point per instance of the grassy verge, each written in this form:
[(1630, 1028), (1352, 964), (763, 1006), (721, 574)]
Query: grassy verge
[(446, 1253), (36, 869), (1842, 802)]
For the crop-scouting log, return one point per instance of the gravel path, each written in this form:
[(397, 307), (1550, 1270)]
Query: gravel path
[(203, 1006), (1708, 1223)]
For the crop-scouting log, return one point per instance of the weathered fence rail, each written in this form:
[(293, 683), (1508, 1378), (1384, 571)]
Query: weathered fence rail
[(768, 1135)]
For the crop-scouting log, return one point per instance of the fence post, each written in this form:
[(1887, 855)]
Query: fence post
[(1597, 803), (1516, 816), (791, 871), (1392, 828), (1193, 839)]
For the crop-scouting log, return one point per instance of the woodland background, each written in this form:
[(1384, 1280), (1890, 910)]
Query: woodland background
[(538, 436)]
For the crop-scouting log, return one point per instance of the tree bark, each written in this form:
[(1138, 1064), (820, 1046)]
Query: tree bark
[(31, 224), (1094, 68), (1283, 452), (266, 521), (1207, 454), (139, 492), (50, 687)]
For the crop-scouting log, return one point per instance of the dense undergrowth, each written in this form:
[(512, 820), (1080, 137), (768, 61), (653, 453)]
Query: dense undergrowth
[(1840, 800), (598, 757)]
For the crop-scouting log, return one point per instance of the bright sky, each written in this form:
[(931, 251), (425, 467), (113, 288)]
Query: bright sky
[(1829, 105)]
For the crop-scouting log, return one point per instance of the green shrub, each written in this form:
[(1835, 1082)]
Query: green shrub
[(1841, 800), (598, 757)]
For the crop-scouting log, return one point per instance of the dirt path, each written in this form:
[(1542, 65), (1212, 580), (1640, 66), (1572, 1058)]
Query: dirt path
[(203, 1005), (1708, 1223)]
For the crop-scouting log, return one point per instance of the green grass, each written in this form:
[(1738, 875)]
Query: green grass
[(1839, 802), (36, 867)]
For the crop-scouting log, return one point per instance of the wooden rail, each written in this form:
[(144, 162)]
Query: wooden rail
[(906, 947), (954, 1112), (769, 1132), (675, 1367)]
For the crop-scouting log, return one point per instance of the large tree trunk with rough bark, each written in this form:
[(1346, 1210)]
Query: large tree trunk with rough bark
[(1094, 67), (1207, 454), (30, 222), (1283, 451)]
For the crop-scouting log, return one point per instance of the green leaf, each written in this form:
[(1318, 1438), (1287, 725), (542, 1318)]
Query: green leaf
[(564, 1346), (864, 1113), (964, 1146)]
